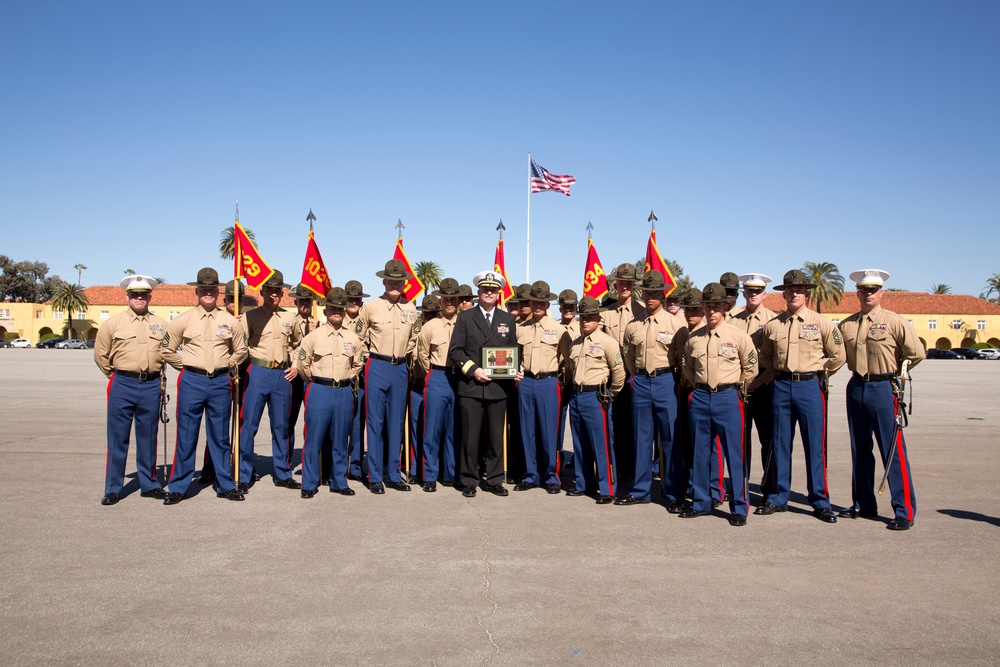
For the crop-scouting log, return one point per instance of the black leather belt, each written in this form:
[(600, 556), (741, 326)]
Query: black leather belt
[(653, 373), (586, 387), (395, 361), (141, 375), (328, 382), (796, 377), (875, 377), (269, 364), (539, 376), (718, 388), (210, 374), (446, 369)]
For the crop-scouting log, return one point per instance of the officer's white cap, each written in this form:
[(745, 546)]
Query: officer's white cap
[(875, 277), (138, 283), (755, 280), (489, 279)]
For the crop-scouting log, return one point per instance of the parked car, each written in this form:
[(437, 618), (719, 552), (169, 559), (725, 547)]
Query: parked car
[(967, 353), (90, 344), (942, 354), (990, 353), (49, 344), (4, 342), (72, 344), (21, 342)]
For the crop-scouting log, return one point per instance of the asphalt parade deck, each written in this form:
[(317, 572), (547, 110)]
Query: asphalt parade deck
[(438, 579)]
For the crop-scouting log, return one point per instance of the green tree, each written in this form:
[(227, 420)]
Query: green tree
[(26, 281), (829, 283), (992, 290), (129, 272), (70, 299), (940, 288), (80, 268), (682, 280), (429, 273), (227, 248)]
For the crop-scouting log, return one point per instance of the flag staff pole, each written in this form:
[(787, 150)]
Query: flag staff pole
[(311, 218), (234, 420), (527, 245)]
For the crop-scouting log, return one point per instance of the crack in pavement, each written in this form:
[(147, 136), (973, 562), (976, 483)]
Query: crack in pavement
[(487, 593)]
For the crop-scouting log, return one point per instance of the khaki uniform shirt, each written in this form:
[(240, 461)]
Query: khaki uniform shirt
[(130, 342), (879, 342), (753, 323), (387, 328), (647, 342), (330, 353), (573, 329), (433, 342), (678, 319), (211, 340), (305, 325), (724, 355), (616, 319), (732, 313), (596, 359), (544, 345), (677, 349), (799, 343), (271, 336)]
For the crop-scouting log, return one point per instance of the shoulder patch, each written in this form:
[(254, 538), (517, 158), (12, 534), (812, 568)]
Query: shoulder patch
[(836, 337), (166, 339), (302, 354), (618, 357), (358, 327), (753, 356)]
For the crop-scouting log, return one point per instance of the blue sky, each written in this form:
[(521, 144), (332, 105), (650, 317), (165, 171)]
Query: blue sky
[(763, 134)]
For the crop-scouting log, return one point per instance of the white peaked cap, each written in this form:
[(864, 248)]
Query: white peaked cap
[(870, 277), (755, 280), (138, 283), (489, 278)]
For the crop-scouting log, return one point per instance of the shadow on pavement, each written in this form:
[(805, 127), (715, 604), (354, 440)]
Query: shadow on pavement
[(972, 516)]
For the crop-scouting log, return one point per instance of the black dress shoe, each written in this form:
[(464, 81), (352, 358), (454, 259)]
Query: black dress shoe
[(715, 503), (172, 498), (605, 500), (346, 491), (737, 520), (553, 489), (287, 483), (353, 477), (377, 487), (324, 481), (307, 493), (632, 500), (231, 495), (430, 487), (852, 513), (110, 499), (691, 513), (469, 492), (254, 478), (769, 508), (204, 478), (243, 488), (399, 486), (577, 492), (676, 507), (525, 486), (159, 494), (899, 523), (825, 514), (497, 489)]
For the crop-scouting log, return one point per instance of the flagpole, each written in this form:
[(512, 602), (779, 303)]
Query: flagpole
[(527, 245), (234, 419)]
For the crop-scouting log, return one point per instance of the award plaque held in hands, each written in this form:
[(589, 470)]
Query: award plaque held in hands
[(500, 363)]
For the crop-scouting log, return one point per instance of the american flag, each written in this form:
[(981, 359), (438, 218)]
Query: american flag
[(541, 179)]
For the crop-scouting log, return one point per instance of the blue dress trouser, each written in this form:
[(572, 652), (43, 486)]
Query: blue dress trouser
[(266, 386), (385, 410), (717, 421), (440, 457), (328, 413), (593, 438), (871, 407), (359, 464), (802, 403), (538, 401), (197, 396), (131, 400), (654, 412), (416, 432)]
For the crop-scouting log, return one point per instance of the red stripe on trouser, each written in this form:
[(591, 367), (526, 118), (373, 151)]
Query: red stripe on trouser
[(722, 468), (901, 448), (177, 431), (826, 484), (743, 435), (607, 451), (367, 394), (558, 439), (107, 454)]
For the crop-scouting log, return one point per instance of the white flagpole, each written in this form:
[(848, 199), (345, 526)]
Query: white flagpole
[(527, 245)]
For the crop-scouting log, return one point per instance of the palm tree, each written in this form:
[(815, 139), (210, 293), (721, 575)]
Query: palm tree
[(429, 273), (226, 246), (829, 283), (80, 268), (992, 288), (70, 299), (129, 272), (940, 288)]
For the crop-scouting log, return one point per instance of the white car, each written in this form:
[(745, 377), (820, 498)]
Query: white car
[(990, 353), (72, 344), (20, 342)]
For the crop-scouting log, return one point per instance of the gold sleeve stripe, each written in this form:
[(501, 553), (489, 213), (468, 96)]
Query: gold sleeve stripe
[(467, 365)]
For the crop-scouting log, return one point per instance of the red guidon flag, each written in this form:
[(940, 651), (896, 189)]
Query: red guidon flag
[(595, 282), (413, 286), (314, 275), (654, 262), (499, 266), (249, 265)]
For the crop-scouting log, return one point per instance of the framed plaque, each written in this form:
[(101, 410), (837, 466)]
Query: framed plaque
[(500, 363)]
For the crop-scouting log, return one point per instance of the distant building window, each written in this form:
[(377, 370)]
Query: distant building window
[(81, 314), (910, 321), (57, 314), (38, 314), (981, 325), (170, 316), (6, 312), (105, 314), (932, 324), (836, 321), (956, 324)]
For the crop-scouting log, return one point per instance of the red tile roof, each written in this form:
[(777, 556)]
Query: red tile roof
[(168, 295), (904, 303)]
